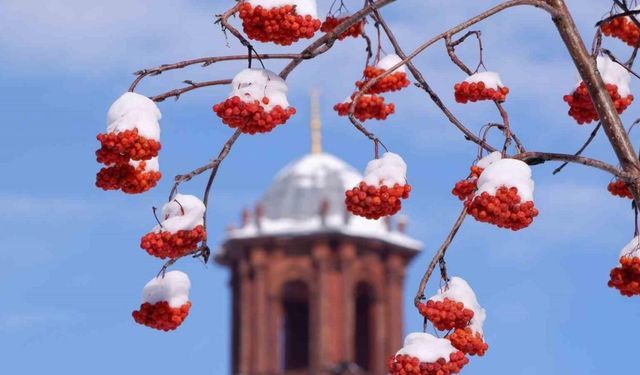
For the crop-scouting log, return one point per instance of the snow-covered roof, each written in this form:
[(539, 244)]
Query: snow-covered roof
[(292, 205)]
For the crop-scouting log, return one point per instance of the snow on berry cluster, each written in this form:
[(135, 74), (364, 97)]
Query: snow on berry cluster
[(481, 86), (393, 82), (258, 102), (464, 189), (180, 231), (622, 28), (381, 191), (425, 354), (165, 302), (331, 22), (616, 79), (372, 106), (626, 277), (282, 22), (130, 147), (620, 189), (456, 307)]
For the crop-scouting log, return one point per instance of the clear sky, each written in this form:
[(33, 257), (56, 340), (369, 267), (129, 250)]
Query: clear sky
[(72, 271)]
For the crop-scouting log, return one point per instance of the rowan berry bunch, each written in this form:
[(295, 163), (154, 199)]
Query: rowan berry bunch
[(475, 91), (127, 145), (620, 189), (626, 277), (280, 25), (367, 107), (446, 314), (468, 342), (503, 209), (165, 244), (463, 189), (252, 118), (395, 81), (407, 365), (581, 107), (128, 178), (375, 202), (161, 315), (330, 23), (622, 28)]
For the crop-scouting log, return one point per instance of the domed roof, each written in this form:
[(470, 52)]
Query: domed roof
[(307, 197)]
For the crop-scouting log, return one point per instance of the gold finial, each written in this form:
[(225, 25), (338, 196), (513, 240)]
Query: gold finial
[(316, 134)]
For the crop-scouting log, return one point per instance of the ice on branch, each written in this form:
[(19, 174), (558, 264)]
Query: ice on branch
[(257, 103), (617, 83), (181, 230), (165, 301), (481, 86), (457, 289), (381, 191)]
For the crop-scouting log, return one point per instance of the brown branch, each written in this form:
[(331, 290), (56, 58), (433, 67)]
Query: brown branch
[(582, 148), (535, 158), (192, 86), (439, 256)]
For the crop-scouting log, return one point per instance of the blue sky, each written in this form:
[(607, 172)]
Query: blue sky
[(72, 270)]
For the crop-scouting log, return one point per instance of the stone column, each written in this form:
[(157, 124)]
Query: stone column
[(395, 281), (246, 352), (348, 253), (261, 316)]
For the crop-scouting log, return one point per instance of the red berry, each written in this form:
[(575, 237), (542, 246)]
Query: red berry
[(367, 107), (393, 82), (280, 25), (161, 315)]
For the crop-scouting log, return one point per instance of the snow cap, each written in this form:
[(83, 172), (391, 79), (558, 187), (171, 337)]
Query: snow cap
[(489, 159), (491, 80), (172, 288), (389, 170), (457, 289), (632, 249), (303, 7), (134, 111), (615, 74), (175, 220), (389, 61), (254, 84), (508, 173), (427, 348)]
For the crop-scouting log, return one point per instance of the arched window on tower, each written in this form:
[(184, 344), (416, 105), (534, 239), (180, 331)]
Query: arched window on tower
[(295, 326), (364, 335)]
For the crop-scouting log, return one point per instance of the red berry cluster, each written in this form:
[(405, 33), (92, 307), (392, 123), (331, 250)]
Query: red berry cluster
[(505, 209), (620, 189), (395, 81), (581, 108), (251, 118), (375, 202), (172, 245), (161, 316), (626, 277), (124, 146), (407, 365), (467, 342), (367, 107), (472, 92), (622, 28), (465, 188), (126, 177), (447, 314), (332, 22), (280, 25)]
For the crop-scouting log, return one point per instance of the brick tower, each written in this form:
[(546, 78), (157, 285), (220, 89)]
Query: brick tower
[(315, 290)]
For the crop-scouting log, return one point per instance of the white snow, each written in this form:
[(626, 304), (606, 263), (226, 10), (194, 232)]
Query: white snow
[(303, 7), (632, 249), (389, 170), (491, 79), (489, 159), (150, 165), (427, 348), (254, 84), (508, 173), (389, 61), (459, 290), (135, 111), (174, 218), (311, 171), (173, 288), (615, 74)]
